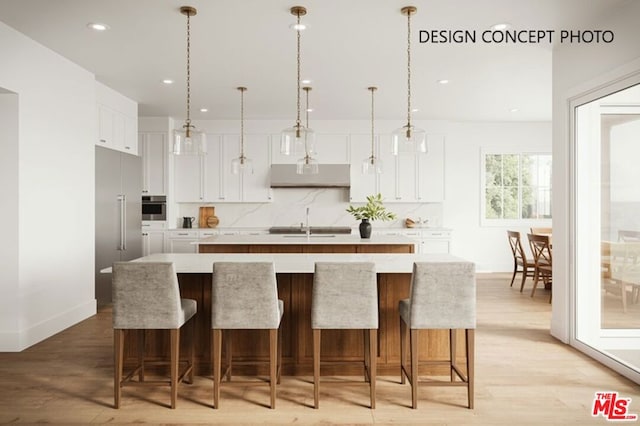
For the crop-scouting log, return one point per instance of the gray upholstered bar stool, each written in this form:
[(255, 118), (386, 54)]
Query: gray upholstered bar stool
[(146, 296), (245, 296), (345, 296), (443, 296)]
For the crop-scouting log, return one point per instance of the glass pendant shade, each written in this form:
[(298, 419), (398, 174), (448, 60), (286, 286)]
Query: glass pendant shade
[(408, 140), (298, 140), (371, 166), (192, 144), (241, 165), (307, 166)]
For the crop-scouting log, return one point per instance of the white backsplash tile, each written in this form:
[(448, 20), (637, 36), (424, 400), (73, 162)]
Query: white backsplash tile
[(326, 208)]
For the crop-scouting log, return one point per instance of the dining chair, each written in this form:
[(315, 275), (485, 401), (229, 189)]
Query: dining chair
[(244, 296), (520, 259), (442, 296), (541, 249), (345, 296), (146, 296), (621, 270)]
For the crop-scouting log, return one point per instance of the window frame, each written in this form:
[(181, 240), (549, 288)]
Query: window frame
[(486, 222)]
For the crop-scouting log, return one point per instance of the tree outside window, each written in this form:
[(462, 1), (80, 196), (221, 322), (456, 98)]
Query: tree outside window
[(517, 186)]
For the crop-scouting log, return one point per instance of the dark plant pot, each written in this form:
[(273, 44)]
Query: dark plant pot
[(365, 229)]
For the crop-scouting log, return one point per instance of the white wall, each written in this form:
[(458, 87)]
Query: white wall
[(55, 170), (578, 69), (9, 214), (487, 246)]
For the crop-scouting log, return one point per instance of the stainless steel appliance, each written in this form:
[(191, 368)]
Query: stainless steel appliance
[(118, 214), (154, 207)]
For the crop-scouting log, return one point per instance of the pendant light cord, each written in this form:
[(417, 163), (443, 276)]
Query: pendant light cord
[(408, 70), (372, 89), (188, 120), (298, 71), (242, 158)]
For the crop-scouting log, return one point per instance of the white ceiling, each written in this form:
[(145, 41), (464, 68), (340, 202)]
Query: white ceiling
[(348, 46)]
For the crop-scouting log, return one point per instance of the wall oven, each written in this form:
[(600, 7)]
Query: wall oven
[(154, 207)]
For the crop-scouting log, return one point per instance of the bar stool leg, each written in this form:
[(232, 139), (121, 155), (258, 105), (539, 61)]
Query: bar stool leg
[(279, 353), (216, 337), (452, 353), (316, 368), (414, 368), (470, 340), (367, 359), (227, 339), (192, 350), (373, 346), (118, 355), (175, 354), (403, 351), (273, 358), (141, 344)]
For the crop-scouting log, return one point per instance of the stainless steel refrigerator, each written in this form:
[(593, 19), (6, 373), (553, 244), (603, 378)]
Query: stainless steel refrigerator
[(118, 214)]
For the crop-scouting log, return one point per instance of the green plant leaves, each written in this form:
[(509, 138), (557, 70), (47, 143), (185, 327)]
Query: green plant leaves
[(373, 210)]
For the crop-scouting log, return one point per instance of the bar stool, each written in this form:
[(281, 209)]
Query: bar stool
[(245, 296), (146, 296), (345, 296), (443, 296)]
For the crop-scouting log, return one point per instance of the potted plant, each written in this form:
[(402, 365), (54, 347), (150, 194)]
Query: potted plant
[(373, 210)]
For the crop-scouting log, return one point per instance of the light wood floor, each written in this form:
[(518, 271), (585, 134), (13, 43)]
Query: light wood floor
[(523, 376)]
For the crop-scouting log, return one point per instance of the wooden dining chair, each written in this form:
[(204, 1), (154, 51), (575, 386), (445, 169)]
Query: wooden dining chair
[(541, 249), (620, 263), (520, 259)]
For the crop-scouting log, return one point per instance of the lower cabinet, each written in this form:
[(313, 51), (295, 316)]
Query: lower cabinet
[(181, 241), (427, 241), (152, 242)]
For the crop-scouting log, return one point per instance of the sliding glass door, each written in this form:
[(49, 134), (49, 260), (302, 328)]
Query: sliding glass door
[(607, 225)]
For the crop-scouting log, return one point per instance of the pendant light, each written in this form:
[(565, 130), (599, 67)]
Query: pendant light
[(307, 165), (372, 164), (408, 138), (187, 140), (297, 139), (241, 164)]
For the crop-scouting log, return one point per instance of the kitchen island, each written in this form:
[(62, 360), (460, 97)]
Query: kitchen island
[(294, 265)]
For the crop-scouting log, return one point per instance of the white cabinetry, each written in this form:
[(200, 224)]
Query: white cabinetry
[(405, 178), (180, 241), (209, 178), (117, 120), (153, 237), (154, 151), (427, 241)]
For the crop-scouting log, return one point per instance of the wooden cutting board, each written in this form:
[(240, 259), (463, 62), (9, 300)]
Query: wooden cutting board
[(205, 213)]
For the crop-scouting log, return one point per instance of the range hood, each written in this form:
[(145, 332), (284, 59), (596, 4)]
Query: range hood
[(329, 176)]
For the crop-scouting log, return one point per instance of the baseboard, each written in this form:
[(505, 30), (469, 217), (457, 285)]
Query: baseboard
[(19, 341)]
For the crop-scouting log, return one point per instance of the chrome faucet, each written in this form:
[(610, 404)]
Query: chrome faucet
[(308, 227)]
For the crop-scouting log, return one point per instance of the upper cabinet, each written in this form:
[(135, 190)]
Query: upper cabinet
[(117, 120), (405, 178), (210, 179), (154, 150)]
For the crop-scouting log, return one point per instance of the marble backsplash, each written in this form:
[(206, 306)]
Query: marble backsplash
[(326, 208)]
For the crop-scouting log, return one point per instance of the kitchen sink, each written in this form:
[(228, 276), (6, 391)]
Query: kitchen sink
[(301, 231)]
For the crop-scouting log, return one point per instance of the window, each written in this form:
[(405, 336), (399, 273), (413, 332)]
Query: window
[(517, 186)]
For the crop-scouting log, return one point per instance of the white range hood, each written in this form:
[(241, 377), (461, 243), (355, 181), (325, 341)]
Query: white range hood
[(329, 176)]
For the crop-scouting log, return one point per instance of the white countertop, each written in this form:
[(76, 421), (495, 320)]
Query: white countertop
[(301, 239), (295, 262)]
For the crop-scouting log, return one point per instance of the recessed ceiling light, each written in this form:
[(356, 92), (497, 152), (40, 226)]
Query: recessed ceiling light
[(97, 26), (514, 110), (298, 27), (167, 81), (501, 26), (204, 110), (443, 81), (305, 81)]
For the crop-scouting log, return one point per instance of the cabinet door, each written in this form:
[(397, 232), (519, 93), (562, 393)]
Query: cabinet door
[(105, 126), (154, 151), (181, 245), (156, 242), (187, 179), (230, 184), (435, 246), (130, 142), (388, 186), (212, 173), (256, 186), (362, 185), (431, 171), (332, 149), (406, 174)]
